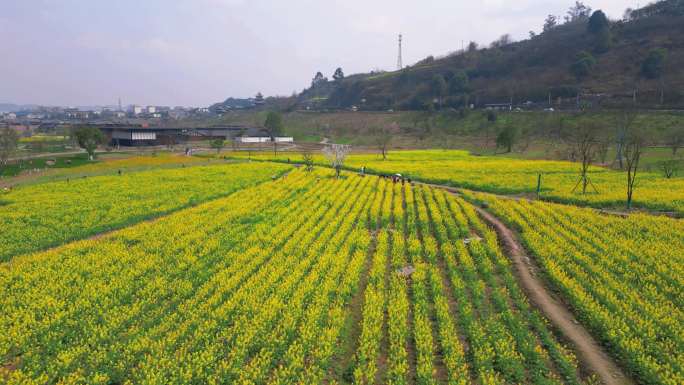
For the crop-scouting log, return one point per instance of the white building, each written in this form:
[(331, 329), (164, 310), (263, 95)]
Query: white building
[(137, 110), (264, 139), (151, 109)]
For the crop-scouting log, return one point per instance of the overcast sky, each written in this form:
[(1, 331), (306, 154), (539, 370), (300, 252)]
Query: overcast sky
[(196, 52)]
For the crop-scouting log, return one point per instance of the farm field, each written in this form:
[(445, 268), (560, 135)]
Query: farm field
[(623, 277), (34, 217), (303, 279), (516, 176), (78, 166)]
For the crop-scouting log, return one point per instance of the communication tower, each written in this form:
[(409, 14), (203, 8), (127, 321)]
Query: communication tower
[(400, 64)]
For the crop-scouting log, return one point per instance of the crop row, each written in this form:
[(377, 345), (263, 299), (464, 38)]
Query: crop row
[(622, 276), (36, 217), (159, 302), (256, 287), (454, 311), (512, 176)]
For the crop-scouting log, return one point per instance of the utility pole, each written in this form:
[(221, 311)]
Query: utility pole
[(400, 64)]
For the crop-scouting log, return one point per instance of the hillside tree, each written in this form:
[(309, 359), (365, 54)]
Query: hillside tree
[(599, 28), (550, 23), (9, 141), (598, 22), (458, 83), (274, 127), (439, 88), (318, 79), (653, 65), (338, 75), (577, 12), (88, 138), (581, 68), (458, 88), (603, 41), (502, 41)]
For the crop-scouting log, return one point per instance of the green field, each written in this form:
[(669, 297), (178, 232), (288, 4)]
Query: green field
[(447, 129)]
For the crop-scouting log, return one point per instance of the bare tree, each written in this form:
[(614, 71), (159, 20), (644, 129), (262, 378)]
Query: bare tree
[(308, 161), (491, 118), (624, 122), (675, 138), (9, 140), (336, 154), (602, 147), (383, 134), (423, 124), (274, 126), (527, 135), (634, 144), (584, 142), (669, 167)]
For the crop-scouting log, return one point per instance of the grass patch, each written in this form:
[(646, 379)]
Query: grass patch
[(71, 161)]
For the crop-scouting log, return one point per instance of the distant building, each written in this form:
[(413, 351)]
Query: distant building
[(259, 100), (143, 135), (75, 113), (151, 109), (499, 106), (137, 110), (263, 139), (177, 114), (20, 128)]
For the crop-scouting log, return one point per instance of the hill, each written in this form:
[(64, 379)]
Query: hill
[(601, 62)]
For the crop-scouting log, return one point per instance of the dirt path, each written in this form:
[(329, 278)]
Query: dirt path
[(589, 352)]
